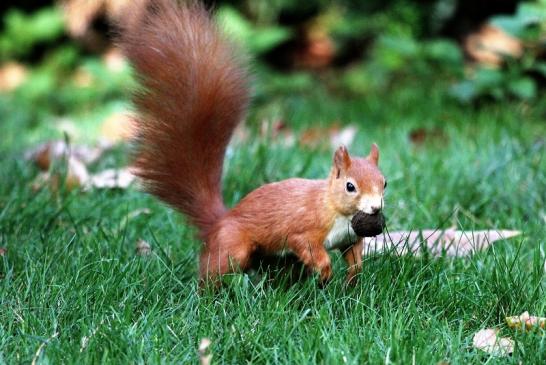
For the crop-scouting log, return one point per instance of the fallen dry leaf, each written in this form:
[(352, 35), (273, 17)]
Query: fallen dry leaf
[(12, 75), (43, 155), (75, 159), (204, 354), (143, 248), (526, 322), (451, 242), (111, 179), (76, 176), (490, 45), (487, 340), (3, 251)]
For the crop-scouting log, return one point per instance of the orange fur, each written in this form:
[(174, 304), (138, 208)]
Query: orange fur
[(194, 93)]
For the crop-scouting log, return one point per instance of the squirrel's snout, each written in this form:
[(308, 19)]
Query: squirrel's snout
[(371, 204)]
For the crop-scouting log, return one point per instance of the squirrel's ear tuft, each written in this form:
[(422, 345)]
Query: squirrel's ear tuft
[(374, 154), (342, 160)]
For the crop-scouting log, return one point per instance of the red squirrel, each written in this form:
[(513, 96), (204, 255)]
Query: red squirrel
[(194, 92)]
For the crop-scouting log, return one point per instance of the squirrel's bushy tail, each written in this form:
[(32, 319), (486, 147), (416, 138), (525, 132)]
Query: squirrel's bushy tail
[(193, 94)]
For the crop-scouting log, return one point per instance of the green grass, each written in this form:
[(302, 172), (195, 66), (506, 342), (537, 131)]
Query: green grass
[(72, 289)]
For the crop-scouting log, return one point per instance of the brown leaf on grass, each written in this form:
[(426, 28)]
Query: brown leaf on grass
[(12, 75), (488, 341), (205, 356), (526, 322), (118, 127), (75, 158), (490, 45), (3, 251), (44, 154), (76, 176), (451, 242), (143, 248)]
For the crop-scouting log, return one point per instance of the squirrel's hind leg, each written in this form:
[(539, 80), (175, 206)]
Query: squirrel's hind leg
[(223, 253)]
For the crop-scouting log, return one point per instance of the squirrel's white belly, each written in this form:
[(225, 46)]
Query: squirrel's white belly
[(341, 234)]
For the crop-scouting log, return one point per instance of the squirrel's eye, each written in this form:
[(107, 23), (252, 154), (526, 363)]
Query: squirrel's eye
[(350, 187), (384, 187)]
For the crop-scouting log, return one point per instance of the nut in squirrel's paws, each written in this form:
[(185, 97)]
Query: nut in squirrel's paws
[(368, 225)]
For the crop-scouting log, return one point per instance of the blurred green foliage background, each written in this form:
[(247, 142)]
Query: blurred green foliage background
[(58, 66), (57, 50)]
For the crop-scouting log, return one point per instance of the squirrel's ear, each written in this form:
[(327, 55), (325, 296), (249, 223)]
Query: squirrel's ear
[(374, 154), (342, 161)]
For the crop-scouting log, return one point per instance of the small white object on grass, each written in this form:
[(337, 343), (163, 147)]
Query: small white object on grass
[(143, 248), (204, 356), (487, 340)]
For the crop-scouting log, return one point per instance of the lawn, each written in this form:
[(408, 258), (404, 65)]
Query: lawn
[(73, 290)]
